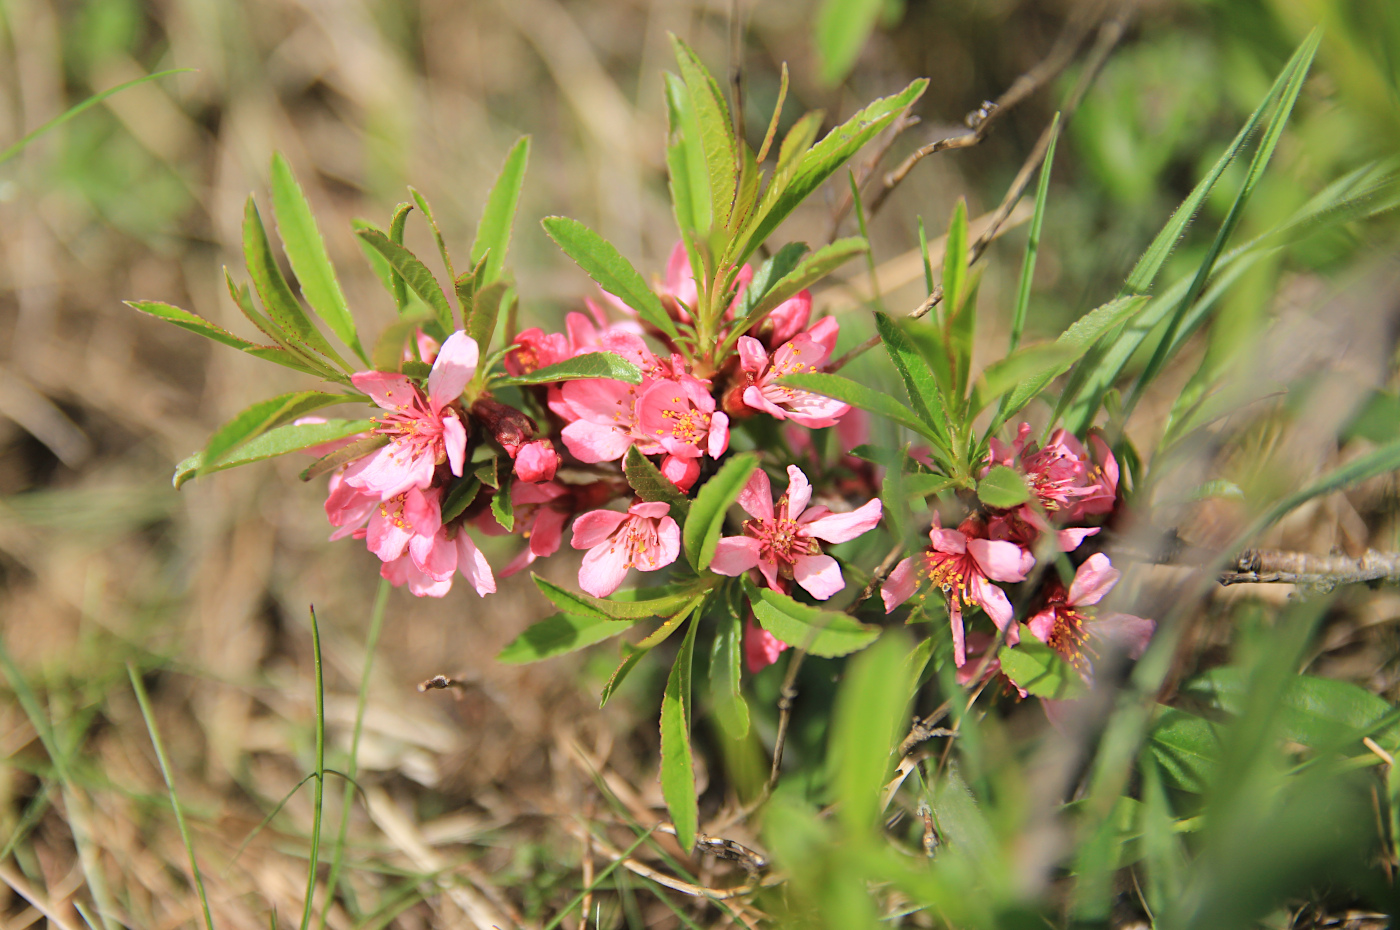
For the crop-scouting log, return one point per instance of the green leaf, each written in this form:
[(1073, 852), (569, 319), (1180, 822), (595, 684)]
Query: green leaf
[(923, 484), (190, 321), (925, 395), (378, 263), (706, 518), (306, 250), (397, 224), (498, 215), (955, 261), (292, 437), (1023, 289), (1003, 488), (557, 635), (730, 708), (1046, 360), (631, 655), (592, 365), (502, 508), (819, 163), (869, 708), (414, 273), (1075, 341), (824, 632), (276, 295), (602, 262), (1040, 670), (842, 27), (806, 273), (285, 353), (685, 163), (646, 479), (388, 351), (263, 416), (485, 309), (716, 134), (333, 460), (866, 398), (1186, 748), (677, 766), (783, 262), (459, 497), (585, 605), (427, 212)]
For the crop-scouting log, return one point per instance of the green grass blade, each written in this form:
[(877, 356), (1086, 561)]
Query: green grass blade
[(145, 701), (1023, 289), (319, 796)]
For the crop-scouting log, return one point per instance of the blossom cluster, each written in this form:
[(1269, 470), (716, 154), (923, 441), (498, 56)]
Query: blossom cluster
[(400, 497), (1069, 486)]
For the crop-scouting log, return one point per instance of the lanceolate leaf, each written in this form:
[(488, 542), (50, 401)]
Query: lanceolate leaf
[(842, 26), (190, 321), (557, 635), (820, 162), (413, 272), (869, 708), (427, 212), (280, 440), (263, 416), (806, 273), (769, 274), (592, 365), (706, 518), (1040, 670), (585, 605), (824, 632), (1003, 488), (293, 356), (685, 163), (502, 508), (276, 295), (716, 134), (602, 262), (866, 398), (497, 217), (955, 262), (677, 767), (482, 312), (631, 655), (731, 710), (924, 393), (459, 497), (646, 479), (307, 252)]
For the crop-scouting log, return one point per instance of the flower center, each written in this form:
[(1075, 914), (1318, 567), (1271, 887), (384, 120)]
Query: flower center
[(780, 538)]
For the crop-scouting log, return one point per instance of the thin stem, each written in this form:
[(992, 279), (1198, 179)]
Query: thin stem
[(320, 790), (376, 625), (145, 701)]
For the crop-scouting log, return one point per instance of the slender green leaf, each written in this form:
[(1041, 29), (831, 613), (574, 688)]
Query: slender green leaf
[(706, 517), (591, 365), (427, 211), (602, 262), (502, 508), (677, 765), (292, 437), (631, 655), (955, 262), (261, 417), (842, 27), (866, 398), (772, 132), (396, 340), (1003, 488), (459, 497), (498, 215), (731, 710), (869, 708), (557, 635), (1378, 461), (1023, 289), (585, 605), (646, 479), (824, 632), (414, 273), (809, 271), (716, 136), (342, 456), (925, 395), (276, 295), (485, 310), (190, 321), (377, 262), (783, 262), (685, 163), (306, 250), (1029, 363), (1040, 670), (819, 163)]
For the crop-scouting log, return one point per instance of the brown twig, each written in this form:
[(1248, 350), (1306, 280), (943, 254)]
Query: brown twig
[(1271, 566), (786, 696), (667, 881), (926, 728), (867, 168), (721, 848)]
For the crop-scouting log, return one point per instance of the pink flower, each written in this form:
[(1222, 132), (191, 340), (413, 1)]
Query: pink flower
[(535, 349), (1067, 621), (761, 648), (644, 538), (805, 352), (539, 520), (963, 562), (786, 320), (536, 461), (781, 540), (423, 431), (1068, 486), (680, 416), (441, 556)]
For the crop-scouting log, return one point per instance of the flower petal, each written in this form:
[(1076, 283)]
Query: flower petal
[(455, 365), (819, 574), (1095, 578), (900, 585), (591, 442), (757, 496), (592, 528), (388, 390), (799, 492), (1001, 560), (735, 555), (843, 527), (473, 565), (603, 568)]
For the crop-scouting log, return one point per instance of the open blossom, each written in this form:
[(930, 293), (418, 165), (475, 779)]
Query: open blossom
[(782, 540), (1067, 483), (442, 555), (1068, 620), (644, 538), (423, 431), (805, 352), (964, 563)]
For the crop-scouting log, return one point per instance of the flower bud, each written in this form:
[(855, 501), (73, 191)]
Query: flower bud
[(536, 461), (508, 426)]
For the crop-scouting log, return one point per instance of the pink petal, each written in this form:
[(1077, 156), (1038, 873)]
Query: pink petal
[(454, 367), (1001, 560), (668, 547), (843, 527), (718, 440), (454, 440), (1095, 578), (799, 492), (681, 472), (473, 565), (757, 496), (790, 317), (758, 399), (603, 400), (651, 510), (594, 527), (900, 585), (955, 623), (388, 390), (735, 555), (536, 461), (547, 532), (761, 648), (603, 568), (993, 600), (824, 333), (819, 574), (434, 555), (1042, 624), (1128, 632), (590, 442), (1069, 540), (752, 356)]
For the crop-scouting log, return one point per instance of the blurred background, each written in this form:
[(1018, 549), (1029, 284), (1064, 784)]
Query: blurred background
[(469, 793)]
